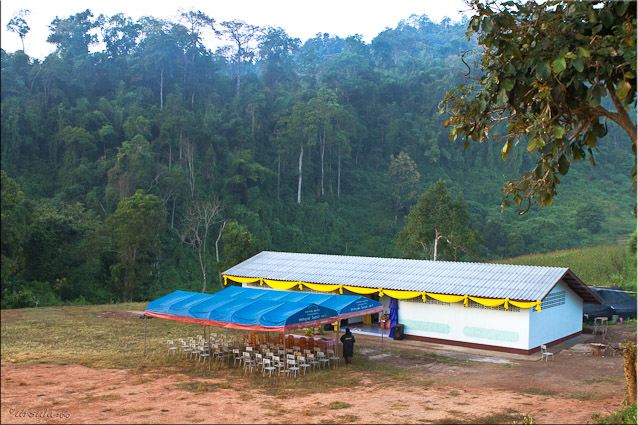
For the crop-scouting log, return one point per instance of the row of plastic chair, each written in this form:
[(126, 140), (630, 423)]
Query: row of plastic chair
[(290, 365)]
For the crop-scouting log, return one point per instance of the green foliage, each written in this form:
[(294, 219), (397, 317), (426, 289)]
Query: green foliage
[(239, 245), (305, 154), (437, 227), (134, 229), (604, 265), (545, 78), (626, 415), (404, 177)]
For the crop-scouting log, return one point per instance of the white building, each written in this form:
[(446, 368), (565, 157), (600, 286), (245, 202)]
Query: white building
[(490, 306)]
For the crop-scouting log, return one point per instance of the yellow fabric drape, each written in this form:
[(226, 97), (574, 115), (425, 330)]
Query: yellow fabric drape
[(279, 284), (402, 295), (242, 279), (323, 288), (362, 291), (531, 304), (446, 298), (488, 302)]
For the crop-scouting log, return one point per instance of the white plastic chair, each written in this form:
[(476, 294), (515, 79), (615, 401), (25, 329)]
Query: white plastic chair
[(266, 366), (204, 353), (546, 354), (301, 362), (237, 357), (249, 362), (312, 360), (322, 359), (292, 367), (172, 348), (336, 360)]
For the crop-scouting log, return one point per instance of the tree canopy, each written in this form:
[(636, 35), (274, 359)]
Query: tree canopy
[(551, 75), (118, 148), (437, 227)]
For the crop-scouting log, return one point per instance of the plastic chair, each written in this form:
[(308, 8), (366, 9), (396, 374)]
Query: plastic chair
[(194, 350), (546, 354), (186, 348), (237, 357), (292, 367), (336, 360), (172, 348), (203, 354), (312, 360), (249, 362), (322, 359), (266, 366), (301, 362)]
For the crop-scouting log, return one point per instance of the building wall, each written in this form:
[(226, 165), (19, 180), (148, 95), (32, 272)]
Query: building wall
[(556, 320), (455, 322)]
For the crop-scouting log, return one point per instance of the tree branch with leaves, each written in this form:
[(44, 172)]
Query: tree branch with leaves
[(544, 72)]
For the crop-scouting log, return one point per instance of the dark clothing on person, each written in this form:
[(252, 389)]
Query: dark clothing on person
[(348, 346)]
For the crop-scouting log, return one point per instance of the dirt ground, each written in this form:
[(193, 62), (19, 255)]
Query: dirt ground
[(458, 385)]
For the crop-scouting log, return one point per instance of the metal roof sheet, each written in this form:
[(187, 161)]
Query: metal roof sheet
[(525, 283)]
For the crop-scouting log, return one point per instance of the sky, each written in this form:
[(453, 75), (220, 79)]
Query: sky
[(299, 18)]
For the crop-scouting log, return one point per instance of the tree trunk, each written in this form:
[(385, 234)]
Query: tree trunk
[(278, 175), (173, 212), (162, 88), (219, 236), (323, 153), (299, 183), (630, 371), (437, 236), (339, 173)]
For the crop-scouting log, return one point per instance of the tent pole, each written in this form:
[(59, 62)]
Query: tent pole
[(145, 335), (337, 340)]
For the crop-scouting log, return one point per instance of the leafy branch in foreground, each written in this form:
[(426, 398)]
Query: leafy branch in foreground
[(545, 70)]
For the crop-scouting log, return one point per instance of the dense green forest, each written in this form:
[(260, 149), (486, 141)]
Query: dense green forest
[(137, 161)]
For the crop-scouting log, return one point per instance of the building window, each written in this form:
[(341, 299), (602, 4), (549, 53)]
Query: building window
[(474, 304), (553, 300)]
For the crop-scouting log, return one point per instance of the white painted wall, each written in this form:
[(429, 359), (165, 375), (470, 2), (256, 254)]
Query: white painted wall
[(557, 322), (459, 323)]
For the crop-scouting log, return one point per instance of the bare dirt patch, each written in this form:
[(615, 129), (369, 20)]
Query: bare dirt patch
[(443, 387)]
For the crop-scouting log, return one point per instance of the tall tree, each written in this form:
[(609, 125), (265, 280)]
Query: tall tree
[(438, 226), (135, 228), (200, 217), (18, 25), (276, 49), (241, 34), (404, 178), (545, 69), (72, 35)]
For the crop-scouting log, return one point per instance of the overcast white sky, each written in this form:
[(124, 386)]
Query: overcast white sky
[(301, 19)]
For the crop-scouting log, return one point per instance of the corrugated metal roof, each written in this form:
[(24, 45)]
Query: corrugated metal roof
[(525, 283)]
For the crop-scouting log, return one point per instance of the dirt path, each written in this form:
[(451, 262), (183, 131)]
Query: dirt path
[(567, 390)]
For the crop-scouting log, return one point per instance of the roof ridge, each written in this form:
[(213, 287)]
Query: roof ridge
[(415, 260)]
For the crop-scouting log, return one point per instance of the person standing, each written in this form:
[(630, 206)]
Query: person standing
[(348, 341)]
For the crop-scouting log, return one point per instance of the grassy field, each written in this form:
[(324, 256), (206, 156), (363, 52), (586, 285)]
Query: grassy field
[(74, 335), (604, 265)]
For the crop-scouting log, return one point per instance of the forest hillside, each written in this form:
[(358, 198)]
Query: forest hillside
[(137, 161)]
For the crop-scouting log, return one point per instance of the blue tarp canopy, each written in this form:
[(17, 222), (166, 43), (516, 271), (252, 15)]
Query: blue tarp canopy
[(259, 309), (346, 306)]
